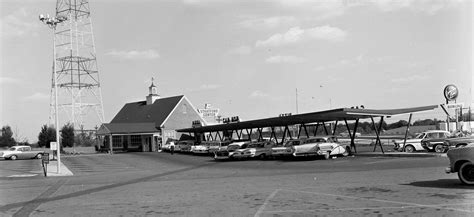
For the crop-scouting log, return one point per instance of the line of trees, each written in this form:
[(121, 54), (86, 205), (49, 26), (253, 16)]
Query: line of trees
[(69, 137)]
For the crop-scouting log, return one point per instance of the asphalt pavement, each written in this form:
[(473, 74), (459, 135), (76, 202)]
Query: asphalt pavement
[(160, 184)]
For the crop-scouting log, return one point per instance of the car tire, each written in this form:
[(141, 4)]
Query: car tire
[(439, 148), (466, 173), (38, 156), (409, 148), (347, 152), (13, 157), (262, 157)]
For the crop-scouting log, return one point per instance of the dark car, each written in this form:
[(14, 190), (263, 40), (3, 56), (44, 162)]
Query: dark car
[(444, 144)]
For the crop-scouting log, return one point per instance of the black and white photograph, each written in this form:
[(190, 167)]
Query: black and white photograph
[(236, 108)]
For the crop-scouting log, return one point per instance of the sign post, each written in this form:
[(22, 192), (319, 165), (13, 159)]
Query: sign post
[(451, 93), (45, 162)]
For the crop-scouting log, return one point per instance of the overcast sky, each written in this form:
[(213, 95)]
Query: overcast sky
[(248, 57)]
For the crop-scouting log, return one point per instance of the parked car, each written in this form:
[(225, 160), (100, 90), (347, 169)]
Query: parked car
[(165, 147), (184, 146), (346, 134), (414, 144), (461, 160), (202, 148), (227, 152), (285, 149), (261, 149), (215, 145), (325, 146), (21, 152), (458, 142)]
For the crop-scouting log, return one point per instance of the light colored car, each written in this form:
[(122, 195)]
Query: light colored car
[(166, 147), (202, 148), (261, 149), (184, 146), (414, 144), (461, 160), (286, 148), (216, 145), (228, 152), (21, 152), (325, 146)]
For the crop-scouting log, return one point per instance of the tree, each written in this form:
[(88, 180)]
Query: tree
[(67, 135), (46, 135), (85, 139), (6, 138)]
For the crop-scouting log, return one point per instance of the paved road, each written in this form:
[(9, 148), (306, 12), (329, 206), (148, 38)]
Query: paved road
[(160, 184)]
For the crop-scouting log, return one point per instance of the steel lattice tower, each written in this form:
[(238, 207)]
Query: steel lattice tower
[(75, 63)]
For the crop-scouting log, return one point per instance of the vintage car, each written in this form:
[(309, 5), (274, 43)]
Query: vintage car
[(444, 144), (184, 146), (325, 146), (461, 160), (227, 152), (216, 145), (414, 144), (202, 148), (260, 149), (285, 149), (21, 152)]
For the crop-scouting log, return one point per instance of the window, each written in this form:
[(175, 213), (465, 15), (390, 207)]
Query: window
[(432, 135), (117, 141), (135, 140), (442, 135)]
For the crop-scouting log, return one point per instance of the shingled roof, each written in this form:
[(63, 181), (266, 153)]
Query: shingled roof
[(140, 112)]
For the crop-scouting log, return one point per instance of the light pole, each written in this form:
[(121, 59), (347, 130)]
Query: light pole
[(51, 22)]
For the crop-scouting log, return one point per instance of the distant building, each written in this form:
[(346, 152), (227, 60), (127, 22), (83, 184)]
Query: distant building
[(146, 125)]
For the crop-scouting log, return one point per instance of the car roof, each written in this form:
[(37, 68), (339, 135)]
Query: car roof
[(436, 131)]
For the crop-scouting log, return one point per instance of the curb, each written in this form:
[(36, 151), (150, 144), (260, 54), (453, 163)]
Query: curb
[(52, 169), (391, 154)]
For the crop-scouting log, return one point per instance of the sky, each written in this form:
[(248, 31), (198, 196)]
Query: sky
[(248, 58)]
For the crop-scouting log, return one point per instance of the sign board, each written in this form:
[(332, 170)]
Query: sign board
[(208, 111), (53, 146), (45, 158), (455, 106), (450, 92)]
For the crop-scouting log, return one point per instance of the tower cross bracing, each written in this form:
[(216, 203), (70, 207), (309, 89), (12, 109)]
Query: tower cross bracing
[(79, 95)]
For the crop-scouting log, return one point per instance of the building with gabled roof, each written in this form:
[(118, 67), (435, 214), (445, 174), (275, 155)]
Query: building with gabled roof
[(145, 125)]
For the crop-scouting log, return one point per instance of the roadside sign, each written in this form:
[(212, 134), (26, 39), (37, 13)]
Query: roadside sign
[(45, 162), (45, 158), (53, 146)]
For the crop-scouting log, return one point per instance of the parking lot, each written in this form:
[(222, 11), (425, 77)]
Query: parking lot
[(161, 184)]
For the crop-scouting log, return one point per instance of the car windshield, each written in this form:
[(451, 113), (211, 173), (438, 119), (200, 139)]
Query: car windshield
[(317, 140), (233, 147), (244, 146), (420, 136), (11, 149), (292, 143), (254, 145)]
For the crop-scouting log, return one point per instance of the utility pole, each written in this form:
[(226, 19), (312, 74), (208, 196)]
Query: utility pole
[(296, 100)]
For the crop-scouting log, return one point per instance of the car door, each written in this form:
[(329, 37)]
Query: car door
[(21, 153)]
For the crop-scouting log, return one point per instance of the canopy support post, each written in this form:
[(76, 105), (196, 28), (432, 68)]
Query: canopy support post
[(306, 131), (406, 132), (377, 132), (325, 129), (335, 127)]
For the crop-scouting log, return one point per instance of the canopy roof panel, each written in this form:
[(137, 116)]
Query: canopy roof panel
[(339, 114)]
